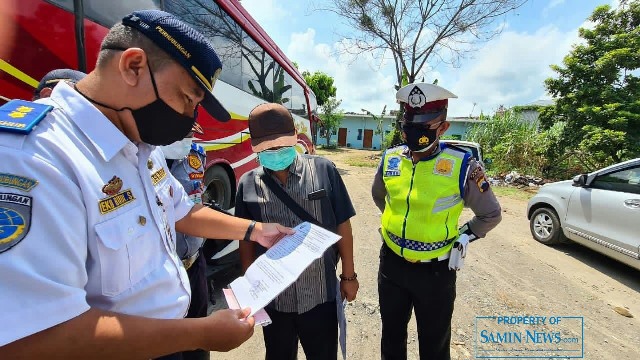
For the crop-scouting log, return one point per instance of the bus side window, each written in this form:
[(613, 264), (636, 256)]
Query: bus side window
[(219, 28), (109, 13), (65, 4)]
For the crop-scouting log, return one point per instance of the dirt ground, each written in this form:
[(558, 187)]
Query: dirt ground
[(506, 273)]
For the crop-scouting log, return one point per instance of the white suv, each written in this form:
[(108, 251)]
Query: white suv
[(600, 210)]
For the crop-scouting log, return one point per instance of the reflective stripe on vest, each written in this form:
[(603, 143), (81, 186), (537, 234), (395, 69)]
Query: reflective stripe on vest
[(423, 203)]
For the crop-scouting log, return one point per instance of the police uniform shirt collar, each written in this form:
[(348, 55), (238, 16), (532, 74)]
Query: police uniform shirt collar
[(103, 134)]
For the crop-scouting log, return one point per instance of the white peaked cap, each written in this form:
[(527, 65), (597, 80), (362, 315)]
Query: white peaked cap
[(418, 94)]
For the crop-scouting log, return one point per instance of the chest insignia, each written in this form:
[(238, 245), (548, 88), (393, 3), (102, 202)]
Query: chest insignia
[(157, 176), (115, 197), (113, 186), (393, 166), (443, 167)]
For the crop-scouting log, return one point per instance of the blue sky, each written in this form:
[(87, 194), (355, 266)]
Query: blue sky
[(508, 70)]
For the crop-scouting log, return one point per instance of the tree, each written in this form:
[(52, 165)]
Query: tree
[(597, 90), (331, 117), (321, 84), (415, 31)]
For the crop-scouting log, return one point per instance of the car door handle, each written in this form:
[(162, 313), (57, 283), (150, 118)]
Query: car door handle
[(632, 203)]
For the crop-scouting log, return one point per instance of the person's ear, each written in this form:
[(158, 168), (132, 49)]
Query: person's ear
[(132, 64), (444, 127), (45, 92)]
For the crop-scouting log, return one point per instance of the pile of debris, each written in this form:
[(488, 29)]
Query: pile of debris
[(517, 180)]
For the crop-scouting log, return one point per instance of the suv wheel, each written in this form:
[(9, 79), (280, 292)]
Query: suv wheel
[(545, 226)]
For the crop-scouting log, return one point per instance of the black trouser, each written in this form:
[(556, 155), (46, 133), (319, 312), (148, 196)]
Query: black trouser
[(317, 330), (198, 306), (430, 289)]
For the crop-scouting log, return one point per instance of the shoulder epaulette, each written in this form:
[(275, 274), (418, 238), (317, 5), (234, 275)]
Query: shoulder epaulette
[(199, 149), (20, 116)]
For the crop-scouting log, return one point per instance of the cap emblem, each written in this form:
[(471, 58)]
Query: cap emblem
[(416, 98)]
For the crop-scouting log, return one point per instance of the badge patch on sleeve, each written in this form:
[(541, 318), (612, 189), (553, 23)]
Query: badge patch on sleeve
[(478, 177), (393, 167), (194, 162), (17, 182), (443, 167), (196, 176), (15, 219)]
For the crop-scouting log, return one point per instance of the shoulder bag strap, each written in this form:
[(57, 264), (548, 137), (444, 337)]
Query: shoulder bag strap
[(286, 199)]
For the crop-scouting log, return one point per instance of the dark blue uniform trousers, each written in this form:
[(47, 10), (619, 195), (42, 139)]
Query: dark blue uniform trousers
[(430, 289)]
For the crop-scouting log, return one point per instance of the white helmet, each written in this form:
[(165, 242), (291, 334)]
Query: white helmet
[(418, 94)]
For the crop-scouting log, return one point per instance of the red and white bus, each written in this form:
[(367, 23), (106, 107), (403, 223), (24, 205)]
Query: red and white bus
[(37, 36)]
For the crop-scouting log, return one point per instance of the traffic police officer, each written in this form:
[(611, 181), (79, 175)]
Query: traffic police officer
[(186, 160), (421, 188), (89, 210)]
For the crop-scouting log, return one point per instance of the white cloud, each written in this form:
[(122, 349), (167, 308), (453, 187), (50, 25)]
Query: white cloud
[(362, 82), (265, 11), (509, 70)]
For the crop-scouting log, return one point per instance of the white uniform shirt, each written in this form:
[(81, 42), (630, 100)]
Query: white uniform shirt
[(99, 217)]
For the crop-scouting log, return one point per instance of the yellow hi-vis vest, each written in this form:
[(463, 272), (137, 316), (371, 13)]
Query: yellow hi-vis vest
[(423, 203)]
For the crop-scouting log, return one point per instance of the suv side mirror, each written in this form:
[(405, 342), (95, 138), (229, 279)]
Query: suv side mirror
[(580, 180)]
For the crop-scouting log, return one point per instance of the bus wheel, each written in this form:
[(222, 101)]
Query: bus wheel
[(218, 187)]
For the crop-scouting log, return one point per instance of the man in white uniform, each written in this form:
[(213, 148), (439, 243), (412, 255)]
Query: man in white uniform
[(89, 210)]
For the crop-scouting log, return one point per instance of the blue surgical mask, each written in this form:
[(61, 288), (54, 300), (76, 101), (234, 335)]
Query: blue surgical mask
[(177, 150), (277, 160)]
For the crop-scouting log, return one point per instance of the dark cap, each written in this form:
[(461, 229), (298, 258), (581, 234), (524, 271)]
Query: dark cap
[(186, 46), (271, 125), (54, 76)]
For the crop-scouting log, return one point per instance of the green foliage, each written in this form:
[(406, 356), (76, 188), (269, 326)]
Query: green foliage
[(321, 84), (391, 139), (278, 86), (331, 117), (512, 144), (597, 90), (521, 108)]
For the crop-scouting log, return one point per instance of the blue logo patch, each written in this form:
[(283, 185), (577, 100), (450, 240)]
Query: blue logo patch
[(15, 219), (393, 167), (17, 182), (21, 116)]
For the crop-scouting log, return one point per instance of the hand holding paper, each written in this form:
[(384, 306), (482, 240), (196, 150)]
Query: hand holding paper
[(281, 265)]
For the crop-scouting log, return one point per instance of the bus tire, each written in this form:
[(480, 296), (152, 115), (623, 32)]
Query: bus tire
[(217, 187)]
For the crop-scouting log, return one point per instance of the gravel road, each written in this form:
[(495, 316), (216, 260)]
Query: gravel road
[(506, 274)]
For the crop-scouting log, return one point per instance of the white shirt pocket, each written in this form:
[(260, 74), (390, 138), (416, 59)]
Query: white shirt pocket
[(128, 250)]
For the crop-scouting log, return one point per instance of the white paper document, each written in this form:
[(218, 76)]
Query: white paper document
[(281, 265), (261, 317)]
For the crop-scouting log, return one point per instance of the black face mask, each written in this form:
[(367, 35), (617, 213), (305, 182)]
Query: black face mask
[(418, 137), (157, 122)]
